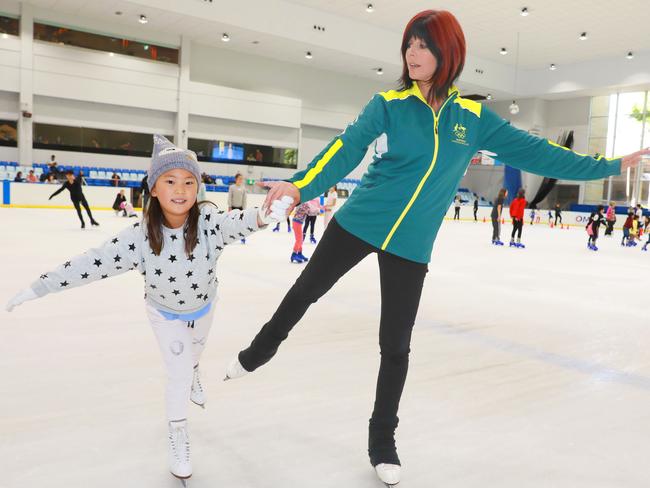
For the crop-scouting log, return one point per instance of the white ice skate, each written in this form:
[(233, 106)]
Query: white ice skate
[(235, 370), (388, 473), (198, 395), (179, 450)]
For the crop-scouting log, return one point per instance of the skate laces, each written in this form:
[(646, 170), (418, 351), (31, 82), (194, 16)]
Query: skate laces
[(197, 382), (180, 440)]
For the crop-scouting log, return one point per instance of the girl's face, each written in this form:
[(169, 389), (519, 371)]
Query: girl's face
[(176, 191), (420, 60)]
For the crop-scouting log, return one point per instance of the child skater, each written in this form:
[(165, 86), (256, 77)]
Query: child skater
[(596, 219), (517, 207), (73, 185), (176, 250), (627, 225), (299, 217), (646, 224), (497, 208)]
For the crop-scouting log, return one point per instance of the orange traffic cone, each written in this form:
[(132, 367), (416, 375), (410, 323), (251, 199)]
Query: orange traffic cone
[(484, 220), (503, 221)]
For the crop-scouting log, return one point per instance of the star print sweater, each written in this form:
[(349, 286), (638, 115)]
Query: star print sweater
[(174, 281)]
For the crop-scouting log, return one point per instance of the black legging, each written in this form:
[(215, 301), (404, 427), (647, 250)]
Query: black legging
[(401, 286), (517, 227), (475, 211), (496, 229), (309, 220), (456, 213), (558, 215), (77, 205), (610, 227)]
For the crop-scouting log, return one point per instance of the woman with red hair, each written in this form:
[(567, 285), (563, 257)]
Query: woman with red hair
[(425, 135)]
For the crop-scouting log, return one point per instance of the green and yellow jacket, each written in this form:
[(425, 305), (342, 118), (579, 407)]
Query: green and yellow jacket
[(420, 157)]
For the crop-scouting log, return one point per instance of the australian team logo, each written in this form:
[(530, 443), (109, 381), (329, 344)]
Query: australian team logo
[(460, 134)]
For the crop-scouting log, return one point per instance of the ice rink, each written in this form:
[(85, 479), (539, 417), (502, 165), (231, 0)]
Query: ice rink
[(529, 369)]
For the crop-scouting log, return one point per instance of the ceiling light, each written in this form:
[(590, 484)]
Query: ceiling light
[(504, 51), (225, 37), (255, 42), (146, 47), (489, 96), (308, 55), (118, 12), (524, 12), (514, 108), (552, 67), (583, 36), (143, 19), (370, 8), (380, 71), (630, 55)]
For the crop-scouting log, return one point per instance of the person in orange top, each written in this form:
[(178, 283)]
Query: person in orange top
[(517, 207)]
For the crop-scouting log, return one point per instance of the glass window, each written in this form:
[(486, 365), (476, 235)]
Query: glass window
[(81, 139), (9, 25), (8, 133), (236, 153), (98, 42)]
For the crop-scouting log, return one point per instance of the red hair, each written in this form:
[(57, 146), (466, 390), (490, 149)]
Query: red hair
[(444, 37)]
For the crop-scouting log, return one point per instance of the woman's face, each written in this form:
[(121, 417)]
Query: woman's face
[(420, 60)]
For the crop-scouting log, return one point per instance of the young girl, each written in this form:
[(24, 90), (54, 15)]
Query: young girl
[(176, 250), (299, 217), (517, 208), (646, 224), (596, 219)]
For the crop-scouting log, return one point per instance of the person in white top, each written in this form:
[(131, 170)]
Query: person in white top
[(330, 204)]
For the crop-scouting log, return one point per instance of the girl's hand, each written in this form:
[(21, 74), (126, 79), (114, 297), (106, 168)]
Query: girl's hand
[(22, 296), (632, 160), (277, 190)]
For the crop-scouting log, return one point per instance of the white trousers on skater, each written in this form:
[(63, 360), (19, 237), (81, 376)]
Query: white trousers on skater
[(181, 346), (327, 216)]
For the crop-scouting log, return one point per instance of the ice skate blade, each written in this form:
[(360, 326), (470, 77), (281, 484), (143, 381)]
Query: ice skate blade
[(183, 480)]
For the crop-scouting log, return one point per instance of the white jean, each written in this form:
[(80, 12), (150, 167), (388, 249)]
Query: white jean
[(181, 346)]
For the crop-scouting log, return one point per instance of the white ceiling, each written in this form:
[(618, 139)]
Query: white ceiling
[(355, 41), (548, 35)]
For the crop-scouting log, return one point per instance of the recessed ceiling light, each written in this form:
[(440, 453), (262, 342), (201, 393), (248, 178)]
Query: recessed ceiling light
[(225, 37), (255, 42), (380, 71), (143, 19), (552, 67), (504, 51), (146, 47), (583, 36), (524, 12), (308, 55), (370, 8), (630, 55), (118, 12), (489, 96)]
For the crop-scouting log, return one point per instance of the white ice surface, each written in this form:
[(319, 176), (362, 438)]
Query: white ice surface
[(529, 369)]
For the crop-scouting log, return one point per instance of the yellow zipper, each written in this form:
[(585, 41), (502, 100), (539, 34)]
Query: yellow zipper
[(414, 197)]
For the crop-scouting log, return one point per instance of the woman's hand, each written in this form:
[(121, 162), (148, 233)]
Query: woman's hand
[(278, 190), (632, 160)]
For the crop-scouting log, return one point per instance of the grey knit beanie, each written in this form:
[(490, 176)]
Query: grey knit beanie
[(165, 156)]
